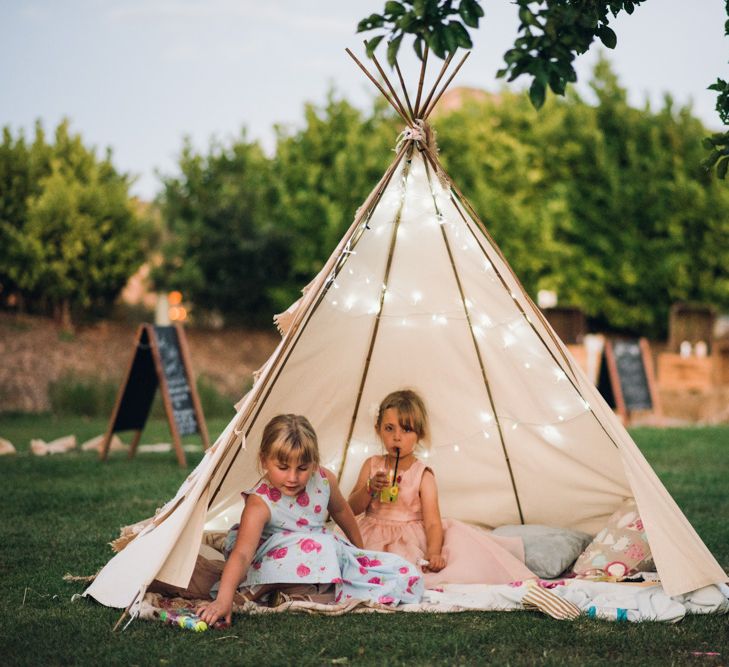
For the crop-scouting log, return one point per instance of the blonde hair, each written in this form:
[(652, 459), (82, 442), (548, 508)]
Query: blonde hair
[(287, 436), (411, 411)]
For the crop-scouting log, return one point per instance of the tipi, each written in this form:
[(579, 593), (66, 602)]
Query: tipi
[(417, 294)]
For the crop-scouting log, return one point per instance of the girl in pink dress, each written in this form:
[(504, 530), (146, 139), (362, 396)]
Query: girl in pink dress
[(450, 551)]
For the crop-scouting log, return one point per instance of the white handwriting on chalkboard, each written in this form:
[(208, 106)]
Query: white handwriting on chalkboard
[(177, 384)]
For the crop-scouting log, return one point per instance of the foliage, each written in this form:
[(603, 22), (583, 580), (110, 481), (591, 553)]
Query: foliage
[(323, 174), (551, 34), (718, 143), (246, 232), (88, 396), (22, 167), (429, 21), (223, 248), (63, 511), (605, 204), (74, 394), (68, 231)]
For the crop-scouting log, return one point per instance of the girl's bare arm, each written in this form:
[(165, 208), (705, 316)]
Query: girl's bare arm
[(253, 519), (432, 522), (360, 497)]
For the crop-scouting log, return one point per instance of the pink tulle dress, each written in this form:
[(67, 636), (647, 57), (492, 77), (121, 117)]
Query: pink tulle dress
[(473, 555)]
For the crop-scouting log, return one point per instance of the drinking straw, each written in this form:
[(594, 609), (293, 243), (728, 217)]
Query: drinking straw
[(397, 461)]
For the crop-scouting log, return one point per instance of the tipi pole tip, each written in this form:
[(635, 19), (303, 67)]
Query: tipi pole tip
[(443, 69), (430, 108), (422, 78), (404, 90), (401, 106), (378, 86)]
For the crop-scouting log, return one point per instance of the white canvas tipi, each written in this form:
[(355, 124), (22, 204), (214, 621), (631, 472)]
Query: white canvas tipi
[(418, 295)]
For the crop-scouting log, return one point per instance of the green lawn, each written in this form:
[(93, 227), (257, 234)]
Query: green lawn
[(59, 513)]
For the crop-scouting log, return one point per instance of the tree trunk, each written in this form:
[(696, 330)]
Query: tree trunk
[(64, 315)]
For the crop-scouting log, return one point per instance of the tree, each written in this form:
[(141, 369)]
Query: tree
[(605, 204), (245, 232), (71, 237), (224, 249), (22, 167), (323, 174)]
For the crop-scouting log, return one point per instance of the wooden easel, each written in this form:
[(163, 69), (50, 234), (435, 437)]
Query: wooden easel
[(161, 358)]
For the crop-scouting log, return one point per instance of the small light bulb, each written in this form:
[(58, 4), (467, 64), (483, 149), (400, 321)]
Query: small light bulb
[(456, 448)]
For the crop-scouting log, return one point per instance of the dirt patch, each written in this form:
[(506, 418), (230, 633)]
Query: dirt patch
[(35, 352)]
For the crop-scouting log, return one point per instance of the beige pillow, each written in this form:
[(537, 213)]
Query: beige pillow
[(618, 550)]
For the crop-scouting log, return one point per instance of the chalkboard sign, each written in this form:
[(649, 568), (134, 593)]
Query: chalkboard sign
[(626, 379), (161, 360), (179, 388), (632, 374)]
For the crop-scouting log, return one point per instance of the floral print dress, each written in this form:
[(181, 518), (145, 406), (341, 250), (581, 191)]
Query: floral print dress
[(296, 547)]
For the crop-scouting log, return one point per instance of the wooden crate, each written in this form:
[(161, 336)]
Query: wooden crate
[(677, 372), (721, 362), (691, 322)]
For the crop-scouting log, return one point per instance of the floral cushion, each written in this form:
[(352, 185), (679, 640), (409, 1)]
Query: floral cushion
[(620, 549)]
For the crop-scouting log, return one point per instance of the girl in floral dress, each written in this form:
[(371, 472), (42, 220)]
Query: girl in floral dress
[(282, 539)]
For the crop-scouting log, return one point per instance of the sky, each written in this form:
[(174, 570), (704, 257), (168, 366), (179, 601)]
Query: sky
[(139, 75)]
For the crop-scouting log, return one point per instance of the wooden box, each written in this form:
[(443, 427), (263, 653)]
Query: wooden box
[(677, 372)]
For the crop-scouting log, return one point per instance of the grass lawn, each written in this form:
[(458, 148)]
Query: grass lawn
[(58, 513)]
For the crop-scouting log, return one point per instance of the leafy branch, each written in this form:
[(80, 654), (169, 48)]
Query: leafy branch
[(718, 144), (550, 34), (441, 24)]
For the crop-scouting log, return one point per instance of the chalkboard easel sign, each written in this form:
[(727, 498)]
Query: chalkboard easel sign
[(626, 380), (161, 359)]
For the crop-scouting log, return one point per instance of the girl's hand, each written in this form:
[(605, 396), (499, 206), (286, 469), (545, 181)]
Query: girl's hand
[(380, 481), (436, 563), (212, 611)]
